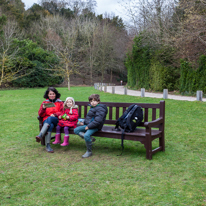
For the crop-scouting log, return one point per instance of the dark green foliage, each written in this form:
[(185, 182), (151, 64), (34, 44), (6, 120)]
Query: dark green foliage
[(162, 74), (187, 79), (39, 77), (3, 20), (170, 78), (201, 74), (138, 64), (51, 7), (118, 22), (13, 10), (151, 69), (67, 13), (192, 80), (122, 76), (39, 64)]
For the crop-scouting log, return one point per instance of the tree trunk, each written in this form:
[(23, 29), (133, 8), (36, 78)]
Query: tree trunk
[(2, 70), (91, 69), (68, 83)]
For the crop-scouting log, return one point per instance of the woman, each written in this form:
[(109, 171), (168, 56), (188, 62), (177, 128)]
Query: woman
[(47, 113)]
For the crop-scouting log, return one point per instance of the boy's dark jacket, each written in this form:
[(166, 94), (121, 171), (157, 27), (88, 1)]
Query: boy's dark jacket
[(96, 116)]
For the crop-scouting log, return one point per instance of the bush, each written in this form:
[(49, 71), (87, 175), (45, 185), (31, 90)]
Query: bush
[(38, 63), (192, 80), (138, 64), (152, 69)]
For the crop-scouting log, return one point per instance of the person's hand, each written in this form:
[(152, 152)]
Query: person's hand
[(81, 123), (60, 116), (52, 115), (67, 117), (44, 106), (86, 128)]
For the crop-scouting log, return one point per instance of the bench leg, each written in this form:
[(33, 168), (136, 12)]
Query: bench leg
[(148, 146), (162, 143), (162, 139)]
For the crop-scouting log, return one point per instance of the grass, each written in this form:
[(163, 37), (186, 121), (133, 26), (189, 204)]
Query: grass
[(31, 176)]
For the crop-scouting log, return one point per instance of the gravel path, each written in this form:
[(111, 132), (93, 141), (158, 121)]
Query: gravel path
[(120, 90)]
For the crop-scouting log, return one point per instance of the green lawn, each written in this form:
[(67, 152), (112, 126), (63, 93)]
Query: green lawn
[(31, 176)]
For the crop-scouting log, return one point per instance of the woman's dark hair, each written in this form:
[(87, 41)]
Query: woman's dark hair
[(58, 95), (95, 97)]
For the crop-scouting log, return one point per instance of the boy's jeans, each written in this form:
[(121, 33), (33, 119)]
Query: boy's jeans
[(87, 134)]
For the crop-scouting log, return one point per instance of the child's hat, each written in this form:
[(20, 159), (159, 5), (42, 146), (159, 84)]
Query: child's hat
[(71, 99), (73, 105)]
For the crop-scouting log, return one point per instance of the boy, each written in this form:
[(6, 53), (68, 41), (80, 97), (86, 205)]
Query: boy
[(93, 122)]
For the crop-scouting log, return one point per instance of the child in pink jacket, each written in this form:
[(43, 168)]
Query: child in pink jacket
[(69, 119)]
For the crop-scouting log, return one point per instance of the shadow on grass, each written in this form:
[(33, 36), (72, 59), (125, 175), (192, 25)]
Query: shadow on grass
[(103, 146)]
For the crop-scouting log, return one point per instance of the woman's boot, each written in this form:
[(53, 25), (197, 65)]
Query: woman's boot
[(42, 132), (89, 150), (66, 141), (57, 139), (47, 142)]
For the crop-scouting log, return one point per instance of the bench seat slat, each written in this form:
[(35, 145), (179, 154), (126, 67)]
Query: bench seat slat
[(106, 130)]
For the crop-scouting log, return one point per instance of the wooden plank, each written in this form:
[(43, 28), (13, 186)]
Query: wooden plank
[(119, 104), (146, 115), (80, 111), (117, 113), (110, 113), (124, 109), (85, 111), (153, 114)]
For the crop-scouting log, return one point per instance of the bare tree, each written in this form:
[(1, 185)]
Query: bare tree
[(62, 39), (110, 40), (82, 6), (190, 38), (152, 17), (90, 30), (8, 52)]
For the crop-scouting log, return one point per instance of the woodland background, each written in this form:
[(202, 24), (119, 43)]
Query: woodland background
[(161, 45)]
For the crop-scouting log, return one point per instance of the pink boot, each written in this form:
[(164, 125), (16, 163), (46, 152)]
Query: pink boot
[(57, 139), (66, 141)]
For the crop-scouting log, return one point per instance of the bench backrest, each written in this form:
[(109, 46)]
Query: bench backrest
[(116, 109)]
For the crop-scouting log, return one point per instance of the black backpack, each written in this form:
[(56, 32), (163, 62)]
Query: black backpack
[(130, 119)]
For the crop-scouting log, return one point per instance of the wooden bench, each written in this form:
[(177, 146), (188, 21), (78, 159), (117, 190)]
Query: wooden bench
[(150, 129)]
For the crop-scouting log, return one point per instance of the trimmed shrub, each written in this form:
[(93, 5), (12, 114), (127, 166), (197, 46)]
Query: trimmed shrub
[(138, 64)]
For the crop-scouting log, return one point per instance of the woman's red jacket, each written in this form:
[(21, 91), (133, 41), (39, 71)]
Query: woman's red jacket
[(45, 113)]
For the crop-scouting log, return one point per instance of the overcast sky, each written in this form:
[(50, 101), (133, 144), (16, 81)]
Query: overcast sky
[(102, 6)]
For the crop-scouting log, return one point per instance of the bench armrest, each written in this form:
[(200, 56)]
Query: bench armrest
[(154, 122)]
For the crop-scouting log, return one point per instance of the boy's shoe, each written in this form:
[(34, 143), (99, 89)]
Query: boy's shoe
[(87, 154), (92, 139), (89, 150), (81, 134)]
